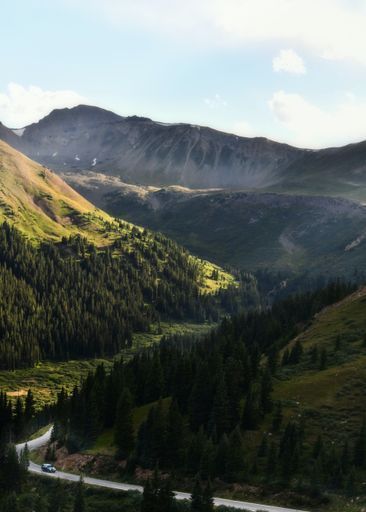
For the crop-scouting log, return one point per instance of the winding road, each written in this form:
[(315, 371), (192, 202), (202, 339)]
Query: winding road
[(35, 468)]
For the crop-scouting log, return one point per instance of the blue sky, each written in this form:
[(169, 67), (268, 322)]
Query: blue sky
[(290, 70)]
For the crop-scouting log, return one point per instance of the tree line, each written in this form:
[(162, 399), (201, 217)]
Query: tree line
[(205, 397)]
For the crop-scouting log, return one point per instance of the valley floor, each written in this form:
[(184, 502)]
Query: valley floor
[(48, 377)]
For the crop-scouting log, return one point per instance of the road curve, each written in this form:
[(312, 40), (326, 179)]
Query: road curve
[(35, 468)]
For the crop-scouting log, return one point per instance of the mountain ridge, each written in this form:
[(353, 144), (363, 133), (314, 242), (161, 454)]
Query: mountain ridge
[(141, 151), (147, 152)]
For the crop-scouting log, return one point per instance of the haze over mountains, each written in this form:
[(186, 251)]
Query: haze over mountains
[(251, 202)]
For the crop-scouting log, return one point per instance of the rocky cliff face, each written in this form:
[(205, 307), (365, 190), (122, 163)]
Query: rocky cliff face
[(142, 151)]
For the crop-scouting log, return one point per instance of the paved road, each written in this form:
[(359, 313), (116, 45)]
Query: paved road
[(241, 505)]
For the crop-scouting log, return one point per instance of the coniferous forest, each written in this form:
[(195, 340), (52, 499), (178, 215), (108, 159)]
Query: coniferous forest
[(70, 300), (206, 396)]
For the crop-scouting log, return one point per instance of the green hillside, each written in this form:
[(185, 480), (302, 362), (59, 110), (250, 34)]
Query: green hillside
[(44, 208), (76, 283), (247, 230), (331, 395)]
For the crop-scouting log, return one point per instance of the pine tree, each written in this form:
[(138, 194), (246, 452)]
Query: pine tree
[(263, 447), (123, 431), (58, 498), (220, 412), (24, 458), (197, 500), (266, 389), (79, 501), (12, 472), (250, 415), (277, 418), (318, 447), (18, 419), (165, 497), (175, 435), (296, 353), (148, 503), (360, 447), (314, 354), (207, 462), (29, 408), (323, 359), (236, 463), (285, 357), (350, 485), (271, 463), (208, 501)]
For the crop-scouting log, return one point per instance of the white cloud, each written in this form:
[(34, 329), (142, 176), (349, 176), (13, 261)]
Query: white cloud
[(20, 106), (215, 101), (308, 125), (243, 128), (333, 29), (290, 62)]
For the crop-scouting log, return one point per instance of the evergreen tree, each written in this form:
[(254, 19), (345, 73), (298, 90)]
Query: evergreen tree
[(235, 465), (165, 497), (148, 503), (220, 418), (175, 435), (124, 433), (79, 501), (29, 409), (271, 464), (323, 359), (208, 501), (296, 353), (250, 415), (12, 472), (263, 447), (197, 499), (266, 389), (277, 418), (360, 447)]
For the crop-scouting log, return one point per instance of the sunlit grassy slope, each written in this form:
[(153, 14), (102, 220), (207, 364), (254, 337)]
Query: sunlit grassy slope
[(44, 208), (331, 400), (48, 377)]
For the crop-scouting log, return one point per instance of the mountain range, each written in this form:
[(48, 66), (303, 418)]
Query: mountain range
[(245, 202), (145, 152)]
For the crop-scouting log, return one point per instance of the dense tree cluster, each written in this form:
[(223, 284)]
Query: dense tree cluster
[(70, 300), (18, 418), (204, 398)]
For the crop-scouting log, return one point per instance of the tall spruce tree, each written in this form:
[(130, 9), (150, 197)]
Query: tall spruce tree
[(123, 431), (79, 500)]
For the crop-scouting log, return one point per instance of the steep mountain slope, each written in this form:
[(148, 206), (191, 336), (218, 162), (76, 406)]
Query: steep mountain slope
[(74, 282), (247, 230), (146, 152), (40, 204), (334, 171), (326, 386), (43, 207), (8, 135)]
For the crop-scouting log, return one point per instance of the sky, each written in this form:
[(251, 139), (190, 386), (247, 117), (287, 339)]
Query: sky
[(290, 70)]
